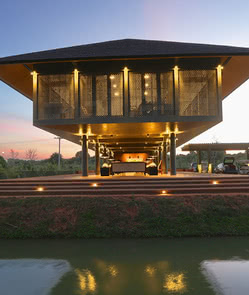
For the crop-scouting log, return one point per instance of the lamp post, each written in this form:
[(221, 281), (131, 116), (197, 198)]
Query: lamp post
[(59, 157)]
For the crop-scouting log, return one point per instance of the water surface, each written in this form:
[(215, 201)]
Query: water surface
[(139, 267)]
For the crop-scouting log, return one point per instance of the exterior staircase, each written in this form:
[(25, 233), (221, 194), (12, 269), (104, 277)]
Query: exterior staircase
[(126, 186)]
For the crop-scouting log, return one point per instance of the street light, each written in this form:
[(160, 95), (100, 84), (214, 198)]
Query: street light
[(59, 157)]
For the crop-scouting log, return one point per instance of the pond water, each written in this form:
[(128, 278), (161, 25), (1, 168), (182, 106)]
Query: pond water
[(140, 267)]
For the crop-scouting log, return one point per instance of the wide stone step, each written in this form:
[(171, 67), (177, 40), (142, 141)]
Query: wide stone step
[(111, 183), (131, 191), (129, 180), (101, 186)]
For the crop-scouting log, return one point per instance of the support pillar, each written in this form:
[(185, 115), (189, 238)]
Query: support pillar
[(84, 162), (172, 154), (210, 169), (97, 160), (157, 160), (164, 159)]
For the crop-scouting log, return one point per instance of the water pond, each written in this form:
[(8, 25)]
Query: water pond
[(140, 267)]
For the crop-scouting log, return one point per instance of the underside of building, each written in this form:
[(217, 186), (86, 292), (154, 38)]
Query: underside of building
[(128, 99)]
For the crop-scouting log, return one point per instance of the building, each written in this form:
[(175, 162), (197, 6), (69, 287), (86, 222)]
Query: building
[(128, 96)]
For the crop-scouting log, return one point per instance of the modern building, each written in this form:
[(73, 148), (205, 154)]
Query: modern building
[(128, 96)]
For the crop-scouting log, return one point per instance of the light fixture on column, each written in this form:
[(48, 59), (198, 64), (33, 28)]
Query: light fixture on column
[(105, 155), (111, 156)]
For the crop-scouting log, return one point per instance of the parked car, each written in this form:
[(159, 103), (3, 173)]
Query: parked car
[(194, 167), (228, 166), (243, 167)]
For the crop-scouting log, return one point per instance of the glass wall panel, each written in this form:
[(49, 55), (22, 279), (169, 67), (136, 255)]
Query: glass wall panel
[(101, 95), (135, 94), (150, 94), (166, 84), (197, 93), (86, 103), (116, 84), (56, 97)]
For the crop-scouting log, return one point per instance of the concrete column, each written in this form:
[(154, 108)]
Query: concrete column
[(160, 153), (157, 157), (172, 154), (97, 159), (164, 159), (84, 162)]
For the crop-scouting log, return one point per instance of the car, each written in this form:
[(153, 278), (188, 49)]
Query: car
[(243, 167), (194, 167), (228, 166)]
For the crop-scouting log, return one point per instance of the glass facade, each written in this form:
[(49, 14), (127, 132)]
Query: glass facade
[(56, 97), (197, 93), (149, 94)]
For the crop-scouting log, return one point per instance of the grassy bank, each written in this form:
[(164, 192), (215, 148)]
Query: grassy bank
[(124, 217)]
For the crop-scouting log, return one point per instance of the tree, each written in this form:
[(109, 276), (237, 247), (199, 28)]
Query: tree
[(3, 163), (13, 154), (31, 154), (54, 158)]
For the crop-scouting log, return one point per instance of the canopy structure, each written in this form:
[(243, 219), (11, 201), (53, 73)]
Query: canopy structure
[(128, 96)]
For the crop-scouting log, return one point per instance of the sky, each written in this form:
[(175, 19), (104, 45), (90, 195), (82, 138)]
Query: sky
[(28, 26)]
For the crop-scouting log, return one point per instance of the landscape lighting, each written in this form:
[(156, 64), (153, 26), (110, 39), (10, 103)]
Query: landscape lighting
[(40, 189)]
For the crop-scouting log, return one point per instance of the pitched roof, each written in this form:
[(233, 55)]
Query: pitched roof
[(126, 48)]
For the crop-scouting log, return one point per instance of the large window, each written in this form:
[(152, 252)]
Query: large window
[(167, 101), (116, 92), (135, 94), (197, 93), (86, 99), (101, 95), (56, 97), (151, 94)]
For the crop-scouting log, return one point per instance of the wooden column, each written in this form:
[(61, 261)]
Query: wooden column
[(76, 94), (219, 90), (176, 91), (126, 92), (35, 96)]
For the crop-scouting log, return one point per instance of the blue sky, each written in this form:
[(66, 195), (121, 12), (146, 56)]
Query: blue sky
[(27, 26)]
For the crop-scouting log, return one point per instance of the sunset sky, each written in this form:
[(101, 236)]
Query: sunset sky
[(28, 26)]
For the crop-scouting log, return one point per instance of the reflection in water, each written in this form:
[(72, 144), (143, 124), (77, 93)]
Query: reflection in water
[(31, 276), (106, 268), (87, 280), (113, 270), (121, 267), (150, 270), (227, 277), (175, 283)]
